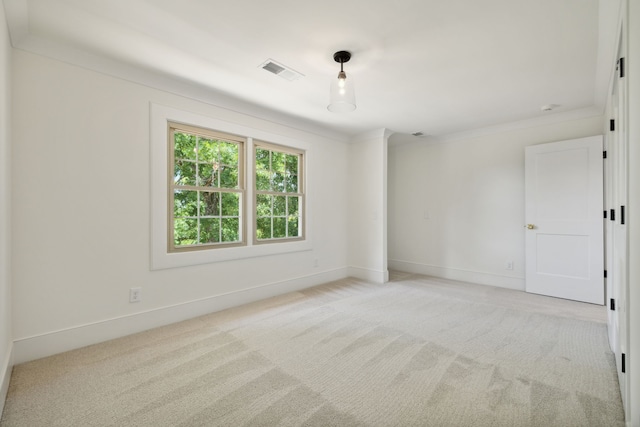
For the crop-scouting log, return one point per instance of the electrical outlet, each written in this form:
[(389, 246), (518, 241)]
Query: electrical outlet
[(508, 265), (135, 294)]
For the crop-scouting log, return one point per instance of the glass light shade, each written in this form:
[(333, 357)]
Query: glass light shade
[(343, 96)]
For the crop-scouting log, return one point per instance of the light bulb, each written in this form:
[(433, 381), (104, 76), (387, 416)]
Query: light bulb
[(342, 77)]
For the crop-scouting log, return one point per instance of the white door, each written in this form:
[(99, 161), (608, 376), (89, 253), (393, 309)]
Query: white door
[(564, 231), (618, 251)]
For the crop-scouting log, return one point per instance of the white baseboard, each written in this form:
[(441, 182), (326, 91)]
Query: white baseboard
[(376, 276), (6, 366), (479, 277), (35, 347)]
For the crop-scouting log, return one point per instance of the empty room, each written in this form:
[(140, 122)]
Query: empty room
[(337, 213)]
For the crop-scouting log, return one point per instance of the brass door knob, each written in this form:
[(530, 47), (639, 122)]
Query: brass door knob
[(530, 226)]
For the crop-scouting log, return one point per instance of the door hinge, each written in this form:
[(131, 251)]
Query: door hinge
[(605, 275), (604, 154), (621, 67), (622, 215), (623, 364), (612, 214), (612, 125), (605, 214), (612, 305)]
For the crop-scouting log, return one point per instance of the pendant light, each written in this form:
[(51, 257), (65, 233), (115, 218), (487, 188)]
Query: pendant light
[(343, 97)]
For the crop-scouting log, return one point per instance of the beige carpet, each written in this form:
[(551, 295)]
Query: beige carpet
[(417, 351)]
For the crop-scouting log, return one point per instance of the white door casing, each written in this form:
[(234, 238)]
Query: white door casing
[(563, 209)]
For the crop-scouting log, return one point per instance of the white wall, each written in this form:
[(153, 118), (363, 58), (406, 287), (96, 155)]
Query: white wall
[(633, 62), (367, 208), (6, 338), (81, 214), (456, 208)]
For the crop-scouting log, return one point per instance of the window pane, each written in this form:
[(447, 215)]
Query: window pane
[(209, 230), (228, 153), (230, 204), (185, 231), (184, 146), (292, 164), (263, 228), (278, 181), (293, 205), (293, 227), (185, 203), (206, 175), (263, 183), (277, 161), (263, 205), (207, 150), (292, 184), (279, 206), (209, 203), (228, 177), (230, 230), (279, 227), (184, 173), (262, 159)]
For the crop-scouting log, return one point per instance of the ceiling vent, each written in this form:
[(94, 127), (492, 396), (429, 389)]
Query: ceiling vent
[(280, 70)]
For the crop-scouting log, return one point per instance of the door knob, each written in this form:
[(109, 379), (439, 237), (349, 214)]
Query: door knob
[(530, 226)]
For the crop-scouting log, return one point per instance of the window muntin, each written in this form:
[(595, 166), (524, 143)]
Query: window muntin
[(206, 189), (279, 193)]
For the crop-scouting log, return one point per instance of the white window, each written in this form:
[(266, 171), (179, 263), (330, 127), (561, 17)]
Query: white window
[(204, 200), (206, 191), (279, 193)]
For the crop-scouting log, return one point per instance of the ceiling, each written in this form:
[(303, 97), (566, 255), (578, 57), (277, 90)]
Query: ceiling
[(432, 66)]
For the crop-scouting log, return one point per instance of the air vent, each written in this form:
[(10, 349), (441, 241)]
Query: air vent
[(280, 70)]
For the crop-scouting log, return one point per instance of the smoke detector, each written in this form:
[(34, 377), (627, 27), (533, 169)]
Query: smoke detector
[(280, 70), (549, 107)]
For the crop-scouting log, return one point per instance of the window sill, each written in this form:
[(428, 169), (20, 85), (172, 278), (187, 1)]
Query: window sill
[(161, 259)]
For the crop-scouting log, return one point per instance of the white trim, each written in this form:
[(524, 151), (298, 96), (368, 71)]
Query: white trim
[(632, 311), (609, 27), (17, 15), (5, 378), (23, 40), (161, 258), (372, 135), (401, 139), (376, 276), (38, 346), (479, 277), (560, 117)]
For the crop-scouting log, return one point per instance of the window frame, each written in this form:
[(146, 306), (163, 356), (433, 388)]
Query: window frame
[(171, 186), (301, 191)]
